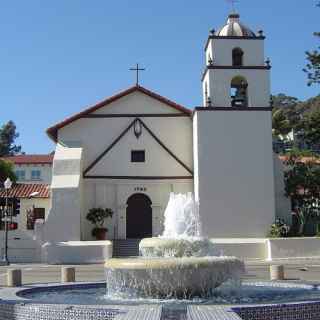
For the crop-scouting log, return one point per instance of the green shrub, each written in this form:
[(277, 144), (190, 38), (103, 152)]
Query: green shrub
[(279, 229)]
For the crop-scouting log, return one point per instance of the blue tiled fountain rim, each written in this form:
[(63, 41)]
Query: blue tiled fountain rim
[(284, 311), (58, 287), (25, 309)]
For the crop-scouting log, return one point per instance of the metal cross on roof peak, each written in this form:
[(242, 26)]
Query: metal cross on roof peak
[(137, 69), (233, 2)]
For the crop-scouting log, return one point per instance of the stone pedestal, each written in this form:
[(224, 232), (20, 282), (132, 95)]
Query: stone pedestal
[(14, 278), (68, 274), (276, 272)]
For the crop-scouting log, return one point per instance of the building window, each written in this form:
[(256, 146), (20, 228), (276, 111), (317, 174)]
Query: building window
[(237, 57), (35, 175), (239, 92), (138, 156), (34, 214), (21, 175)]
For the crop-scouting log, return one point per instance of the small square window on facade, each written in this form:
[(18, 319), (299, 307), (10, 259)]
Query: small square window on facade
[(21, 175), (35, 175), (138, 156)]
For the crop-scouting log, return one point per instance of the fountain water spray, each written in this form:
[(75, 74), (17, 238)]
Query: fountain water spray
[(179, 264), (181, 218)]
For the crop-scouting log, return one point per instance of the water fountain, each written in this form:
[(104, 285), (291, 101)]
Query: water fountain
[(167, 280), (180, 264)]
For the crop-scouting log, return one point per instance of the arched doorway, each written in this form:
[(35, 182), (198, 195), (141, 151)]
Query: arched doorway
[(139, 217)]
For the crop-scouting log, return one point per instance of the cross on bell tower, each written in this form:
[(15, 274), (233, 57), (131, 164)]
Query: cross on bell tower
[(232, 2), (137, 69)]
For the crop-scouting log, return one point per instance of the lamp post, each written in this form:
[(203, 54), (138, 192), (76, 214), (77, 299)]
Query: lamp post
[(7, 186)]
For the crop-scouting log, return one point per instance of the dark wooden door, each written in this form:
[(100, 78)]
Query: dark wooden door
[(139, 217)]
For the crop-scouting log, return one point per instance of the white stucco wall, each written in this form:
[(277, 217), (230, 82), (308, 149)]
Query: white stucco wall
[(63, 221), (136, 103), (95, 135), (221, 51), (157, 161), (219, 80), (77, 252), (293, 248), (206, 86), (258, 86), (234, 178), (115, 193)]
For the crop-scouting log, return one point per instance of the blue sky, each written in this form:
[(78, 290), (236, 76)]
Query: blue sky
[(58, 57)]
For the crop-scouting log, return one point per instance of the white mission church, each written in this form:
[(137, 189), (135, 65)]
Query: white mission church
[(130, 151)]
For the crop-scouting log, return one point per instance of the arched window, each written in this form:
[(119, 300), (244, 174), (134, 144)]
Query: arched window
[(239, 92), (237, 57)]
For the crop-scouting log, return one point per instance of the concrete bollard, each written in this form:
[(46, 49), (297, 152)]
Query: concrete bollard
[(277, 272), (68, 274), (14, 278)]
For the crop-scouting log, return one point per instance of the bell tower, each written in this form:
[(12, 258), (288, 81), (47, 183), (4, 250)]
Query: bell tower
[(232, 136), (236, 72)]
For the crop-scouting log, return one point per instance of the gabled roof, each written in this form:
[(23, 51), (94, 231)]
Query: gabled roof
[(31, 158), (53, 131), (22, 190)]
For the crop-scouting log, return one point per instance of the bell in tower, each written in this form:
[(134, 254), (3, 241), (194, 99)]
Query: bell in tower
[(236, 74)]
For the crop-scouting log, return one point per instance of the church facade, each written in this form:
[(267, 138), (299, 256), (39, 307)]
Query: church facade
[(128, 152)]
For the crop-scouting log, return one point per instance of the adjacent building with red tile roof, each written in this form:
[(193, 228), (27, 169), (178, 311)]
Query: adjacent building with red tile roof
[(32, 168), (24, 190), (31, 159)]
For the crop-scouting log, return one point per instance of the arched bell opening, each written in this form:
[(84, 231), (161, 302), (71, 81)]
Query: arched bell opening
[(239, 92)]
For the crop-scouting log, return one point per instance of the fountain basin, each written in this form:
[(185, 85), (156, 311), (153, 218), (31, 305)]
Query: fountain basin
[(180, 278), (182, 247), (83, 301)]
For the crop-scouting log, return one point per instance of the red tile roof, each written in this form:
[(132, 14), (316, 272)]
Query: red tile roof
[(22, 190), (31, 159), (53, 131), (302, 159)]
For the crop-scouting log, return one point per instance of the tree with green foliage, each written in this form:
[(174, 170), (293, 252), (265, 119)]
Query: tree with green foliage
[(6, 171), (283, 101), (302, 185), (313, 66), (281, 126), (289, 106), (8, 135), (310, 126)]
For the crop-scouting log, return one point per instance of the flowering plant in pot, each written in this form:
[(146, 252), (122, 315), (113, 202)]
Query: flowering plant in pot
[(97, 217)]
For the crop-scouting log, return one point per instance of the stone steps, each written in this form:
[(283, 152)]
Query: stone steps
[(126, 248)]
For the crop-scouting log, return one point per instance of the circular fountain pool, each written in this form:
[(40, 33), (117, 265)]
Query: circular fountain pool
[(264, 292)]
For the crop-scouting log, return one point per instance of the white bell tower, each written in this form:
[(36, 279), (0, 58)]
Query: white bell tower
[(236, 73), (233, 156)]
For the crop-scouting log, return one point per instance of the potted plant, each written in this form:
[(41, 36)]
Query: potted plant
[(97, 217)]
